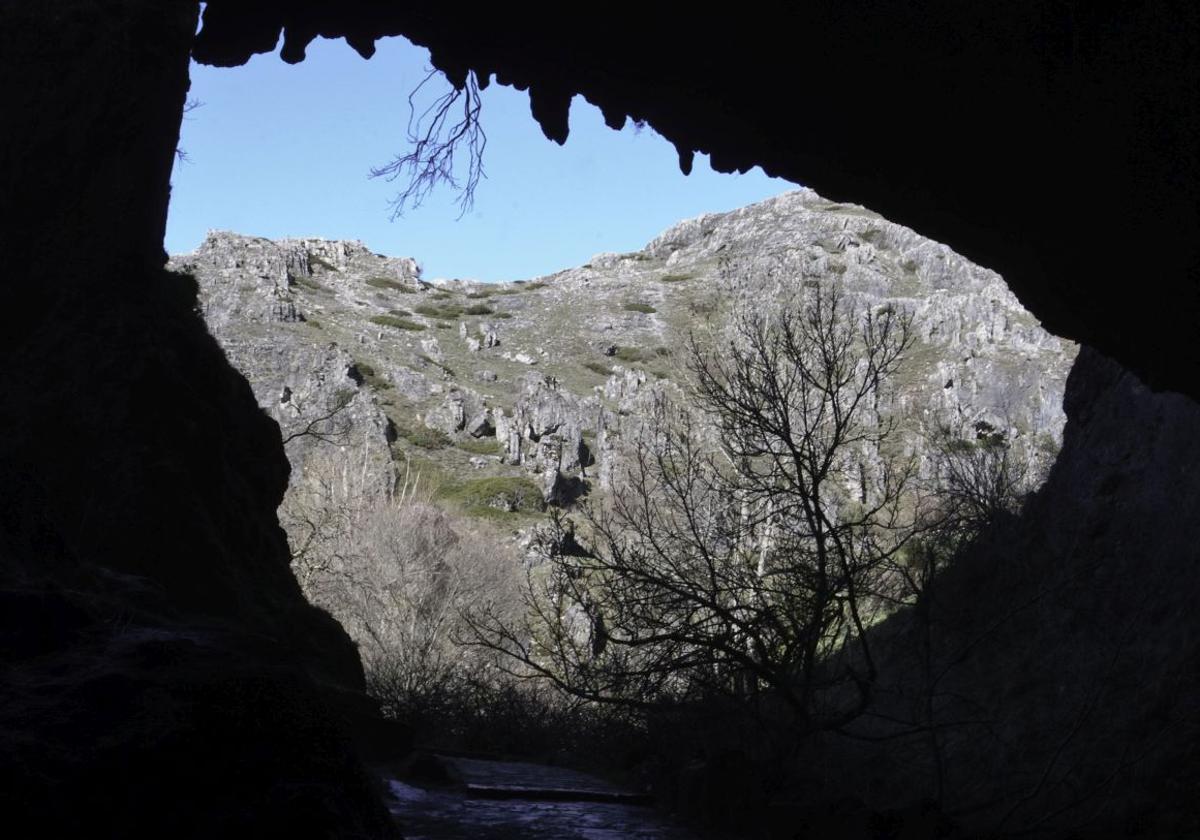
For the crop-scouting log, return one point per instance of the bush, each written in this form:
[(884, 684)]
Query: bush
[(479, 446), (312, 285), (630, 354), (396, 323), (674, 278), (446, 311), (388, 283), (598, 367), (644, 308), (508, 494)]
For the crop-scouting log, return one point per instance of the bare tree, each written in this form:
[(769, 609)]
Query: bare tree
[(329, 425), (400, 574), (744, 549)]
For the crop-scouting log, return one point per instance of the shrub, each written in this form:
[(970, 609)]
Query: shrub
[(371, 376), (639, 307), (508, 494), (387, 283), (396, 323), (479, 446), (674, 278), (425, 437), (630, 354), (479, 309), (445, 311), (598, 367), (312, 285)]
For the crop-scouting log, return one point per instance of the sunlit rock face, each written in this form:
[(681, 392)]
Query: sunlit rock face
[(560, 370)]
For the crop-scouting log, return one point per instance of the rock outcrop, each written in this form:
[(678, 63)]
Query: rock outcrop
[(305, 317)]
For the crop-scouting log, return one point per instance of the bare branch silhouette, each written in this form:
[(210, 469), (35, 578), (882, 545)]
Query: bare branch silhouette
[(436, 138)]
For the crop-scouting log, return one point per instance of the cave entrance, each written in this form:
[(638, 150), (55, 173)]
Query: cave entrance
[(449, 380)]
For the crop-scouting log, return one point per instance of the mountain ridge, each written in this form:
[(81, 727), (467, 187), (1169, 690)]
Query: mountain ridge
[(553, 368)]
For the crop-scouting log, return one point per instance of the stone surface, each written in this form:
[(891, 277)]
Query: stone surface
[(602, 336)]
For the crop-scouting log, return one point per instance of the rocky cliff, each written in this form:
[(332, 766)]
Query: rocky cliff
[(491, 392)]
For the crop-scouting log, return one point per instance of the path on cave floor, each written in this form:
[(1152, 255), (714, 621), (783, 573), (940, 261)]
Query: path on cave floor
[(507, 799)]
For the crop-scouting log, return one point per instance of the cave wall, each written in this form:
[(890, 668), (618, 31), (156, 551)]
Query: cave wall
[(1064, 648), (1054, 142), (163, 675)]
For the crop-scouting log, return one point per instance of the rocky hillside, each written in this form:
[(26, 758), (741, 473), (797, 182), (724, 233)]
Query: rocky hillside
[(509, 396)]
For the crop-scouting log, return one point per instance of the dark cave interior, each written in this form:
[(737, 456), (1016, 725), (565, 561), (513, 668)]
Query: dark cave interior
[(164, 675)]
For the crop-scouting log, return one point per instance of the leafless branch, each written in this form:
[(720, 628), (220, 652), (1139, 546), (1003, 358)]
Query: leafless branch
[(436, 136)]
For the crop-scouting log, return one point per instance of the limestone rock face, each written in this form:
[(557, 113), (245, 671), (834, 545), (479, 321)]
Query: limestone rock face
[(585, 351)]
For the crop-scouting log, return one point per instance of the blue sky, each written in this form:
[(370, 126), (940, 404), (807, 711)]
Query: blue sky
[(278, 150)]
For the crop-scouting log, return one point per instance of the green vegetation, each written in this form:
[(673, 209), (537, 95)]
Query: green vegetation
[(634, 306), (314, 260), (503, 494), (478, 309), (632, 354), (396, 323), (314, 323), (306, 282), (371, 376), (674, 278), (418, 434), (445, 311), (479, 446), (598, 367), (388, 283), (502, 315)]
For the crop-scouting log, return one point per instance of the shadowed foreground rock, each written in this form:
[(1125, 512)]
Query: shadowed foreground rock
[(162, 674)]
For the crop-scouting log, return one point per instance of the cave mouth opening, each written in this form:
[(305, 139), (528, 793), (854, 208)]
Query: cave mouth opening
[(429, 411)]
